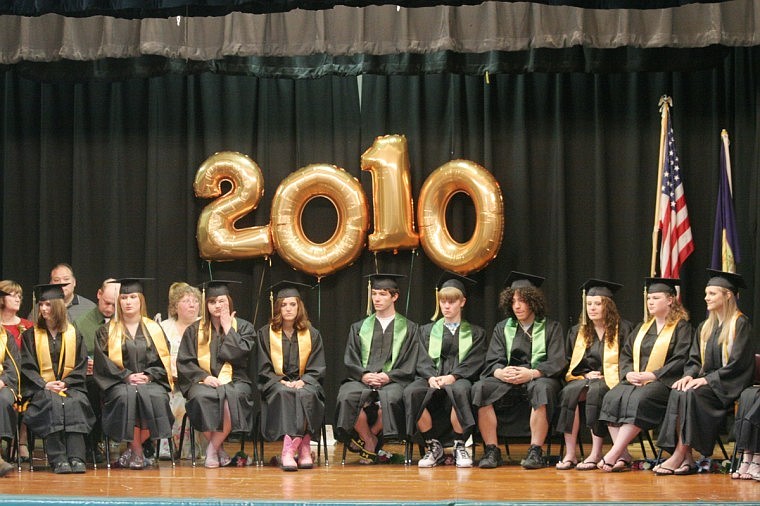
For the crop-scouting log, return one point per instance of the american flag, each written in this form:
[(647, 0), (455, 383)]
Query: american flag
[(677, 243)]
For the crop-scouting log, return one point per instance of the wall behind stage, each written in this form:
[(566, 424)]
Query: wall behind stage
[(99, 174)]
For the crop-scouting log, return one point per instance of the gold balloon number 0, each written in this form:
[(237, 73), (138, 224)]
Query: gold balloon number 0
[(387, 160)]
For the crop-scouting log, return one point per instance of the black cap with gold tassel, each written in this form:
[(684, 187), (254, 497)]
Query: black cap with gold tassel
[(450, 280)]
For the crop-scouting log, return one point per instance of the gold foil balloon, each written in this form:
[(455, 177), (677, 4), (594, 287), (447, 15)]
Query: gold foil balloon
[(388, 162), (218, 239), (288, 203), (470, 178)]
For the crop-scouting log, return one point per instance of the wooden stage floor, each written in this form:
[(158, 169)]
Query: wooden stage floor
[(355, 483)]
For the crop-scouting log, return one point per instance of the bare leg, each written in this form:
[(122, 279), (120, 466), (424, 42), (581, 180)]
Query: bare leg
[(539, 426), (571, 439), (425, 423), (365, 432), (455, 425), (487, 424), (621, 437)]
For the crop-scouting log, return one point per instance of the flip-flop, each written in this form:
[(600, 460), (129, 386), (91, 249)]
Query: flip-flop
[(604, 465), (686, 469), (586, 465), (625, 467), (664, 471), (564, 465)]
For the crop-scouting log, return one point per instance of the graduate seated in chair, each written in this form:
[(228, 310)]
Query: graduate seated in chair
[(212, 368), (9, 371), (133, 369), (54, 368), (451, 356), (291, 371), (381, 358), (526, 358)]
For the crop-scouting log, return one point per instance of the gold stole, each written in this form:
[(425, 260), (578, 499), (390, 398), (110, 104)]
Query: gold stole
[(659, 350), (727, 346), (275, 349), (204, 354), (67, 358), (609, 360), (116, 339), (3, 345)]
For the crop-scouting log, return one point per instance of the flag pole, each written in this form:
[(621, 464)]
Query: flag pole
[(665, 103)]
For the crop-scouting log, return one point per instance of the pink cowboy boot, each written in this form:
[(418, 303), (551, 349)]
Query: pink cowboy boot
[(289, 448), (304, 453)]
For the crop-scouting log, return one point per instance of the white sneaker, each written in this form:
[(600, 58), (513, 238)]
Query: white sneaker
[(461, 456), (433, 454)]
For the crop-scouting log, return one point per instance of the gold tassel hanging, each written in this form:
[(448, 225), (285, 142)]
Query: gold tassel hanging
[(437, 305), (271, 303), (646, 312), (583, 309), (369, 296)]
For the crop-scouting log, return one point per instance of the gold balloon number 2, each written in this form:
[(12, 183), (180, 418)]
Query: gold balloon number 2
[(387, 160)]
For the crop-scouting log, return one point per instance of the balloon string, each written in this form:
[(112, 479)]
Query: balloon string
[(409, 289), (258, 295), (210, 274), (319, 302)]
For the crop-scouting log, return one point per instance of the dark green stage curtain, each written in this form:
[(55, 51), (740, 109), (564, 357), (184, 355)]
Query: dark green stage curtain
[(166, 8), (99, 174)]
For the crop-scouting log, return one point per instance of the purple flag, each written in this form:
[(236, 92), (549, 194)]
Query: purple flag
[(725, 254)]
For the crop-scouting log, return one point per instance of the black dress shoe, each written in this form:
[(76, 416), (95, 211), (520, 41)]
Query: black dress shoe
[(62, 468), (77, 466)]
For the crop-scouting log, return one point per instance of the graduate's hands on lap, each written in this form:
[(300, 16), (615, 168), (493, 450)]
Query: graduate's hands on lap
[(56, 386), (375, 379), (212, 381), (441, 381), (138, 378), (639, 379), (293, 384), (687, 383), (594, 375)]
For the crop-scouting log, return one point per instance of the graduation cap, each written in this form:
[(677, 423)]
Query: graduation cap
[(661, 285), (600, 287), (523, 280), (286, 288), (728, 280), (130, 285), (596, 287), (49, 291), (384, 281), (451, 280), (217, 287)]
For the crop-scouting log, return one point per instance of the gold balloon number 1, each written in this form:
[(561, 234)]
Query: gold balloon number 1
[(387, 160)]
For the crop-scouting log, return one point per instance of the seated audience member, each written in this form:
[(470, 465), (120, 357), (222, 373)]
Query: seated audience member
[(76, 305), (54, 367), (526, 359), (291, 363), (380, 357), (10, 305), (451, 356), (592, 348), (183, 310), (9, 370), (652, 359), (720, 365), (131, 368), (212, 368)]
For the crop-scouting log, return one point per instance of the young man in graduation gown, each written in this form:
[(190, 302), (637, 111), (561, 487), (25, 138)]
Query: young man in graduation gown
[(381, 356), (526, 359), (451, 356), (212, 368)]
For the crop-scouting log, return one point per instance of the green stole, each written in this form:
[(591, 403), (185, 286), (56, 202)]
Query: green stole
[(436, 341), (537, 343), (368, 329)]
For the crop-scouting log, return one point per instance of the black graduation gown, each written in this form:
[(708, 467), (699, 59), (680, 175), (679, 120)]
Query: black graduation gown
[(353, 395), (747, 425), (205, 404), (9, 376), (697, 414), (595, 389), (418, 395), (539, 392), (47, 412), (290, 411), (644, 406), (126, 406)]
